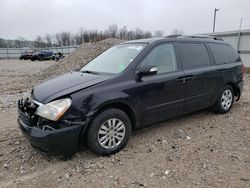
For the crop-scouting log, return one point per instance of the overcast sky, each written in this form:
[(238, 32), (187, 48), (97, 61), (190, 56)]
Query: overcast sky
[(29, 18)]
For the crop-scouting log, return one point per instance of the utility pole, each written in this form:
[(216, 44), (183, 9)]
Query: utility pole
[(215, 10), (238, 44)]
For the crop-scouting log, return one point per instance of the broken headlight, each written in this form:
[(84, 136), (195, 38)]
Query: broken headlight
[(54, 110)]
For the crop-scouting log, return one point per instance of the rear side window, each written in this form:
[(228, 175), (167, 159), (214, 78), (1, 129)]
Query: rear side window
[(194, 55), (223, 53)]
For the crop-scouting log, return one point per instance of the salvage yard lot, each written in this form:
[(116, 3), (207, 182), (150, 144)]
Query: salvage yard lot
[(202, 149), (13, 75)]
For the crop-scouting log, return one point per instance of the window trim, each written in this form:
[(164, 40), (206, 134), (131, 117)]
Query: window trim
[(194, 67), (155, 46)]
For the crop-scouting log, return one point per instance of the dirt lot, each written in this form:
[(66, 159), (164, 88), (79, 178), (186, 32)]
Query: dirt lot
[(202, 149), (13, 75)]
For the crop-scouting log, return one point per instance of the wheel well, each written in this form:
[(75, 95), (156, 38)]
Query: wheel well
[(235, 88), (118, 105), (121, 106)]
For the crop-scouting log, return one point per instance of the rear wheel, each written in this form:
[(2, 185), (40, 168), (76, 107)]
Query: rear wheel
[(225, 100), (109, 132)]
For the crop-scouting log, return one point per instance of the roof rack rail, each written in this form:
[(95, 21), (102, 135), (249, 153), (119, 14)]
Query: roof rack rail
[(194, 36)]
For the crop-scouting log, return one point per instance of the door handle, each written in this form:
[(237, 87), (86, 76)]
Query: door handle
[(189, 77), (185, 79), (181, 79)]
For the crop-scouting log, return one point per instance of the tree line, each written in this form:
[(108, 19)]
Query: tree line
[(67, 38)]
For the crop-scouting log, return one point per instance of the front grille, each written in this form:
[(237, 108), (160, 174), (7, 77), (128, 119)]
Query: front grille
[(27, 109), (25, 118)]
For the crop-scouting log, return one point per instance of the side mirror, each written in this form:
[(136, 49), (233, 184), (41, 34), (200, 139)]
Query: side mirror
[(147, 70)]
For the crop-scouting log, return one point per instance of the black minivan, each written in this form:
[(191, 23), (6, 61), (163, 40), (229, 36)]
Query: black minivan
[(129, 86)]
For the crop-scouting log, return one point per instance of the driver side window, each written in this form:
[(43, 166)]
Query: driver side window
[(162, 56)]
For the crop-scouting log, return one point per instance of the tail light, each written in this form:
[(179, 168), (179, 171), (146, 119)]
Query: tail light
[(243, 72)]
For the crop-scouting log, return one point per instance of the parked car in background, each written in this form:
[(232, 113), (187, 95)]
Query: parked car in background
[(27, 55), (129, 86), (43, 55), (59, 56)]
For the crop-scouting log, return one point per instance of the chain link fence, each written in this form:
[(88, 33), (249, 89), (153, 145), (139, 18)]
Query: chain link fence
[(13, 53)]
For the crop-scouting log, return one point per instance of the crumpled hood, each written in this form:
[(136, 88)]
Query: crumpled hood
[(65, 84)]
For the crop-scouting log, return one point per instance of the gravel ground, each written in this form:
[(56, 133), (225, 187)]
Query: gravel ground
[(13, 76), (202, 149)]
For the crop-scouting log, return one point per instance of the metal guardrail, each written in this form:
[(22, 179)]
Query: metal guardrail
[(11, 53)]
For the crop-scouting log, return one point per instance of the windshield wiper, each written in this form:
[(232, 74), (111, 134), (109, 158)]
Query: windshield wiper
[(89, 72)]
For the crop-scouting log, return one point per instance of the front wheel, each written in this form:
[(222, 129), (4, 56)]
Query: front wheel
[(225, 100), (109, 132)]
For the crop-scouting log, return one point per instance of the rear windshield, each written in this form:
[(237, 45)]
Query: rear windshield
[(223, 53)]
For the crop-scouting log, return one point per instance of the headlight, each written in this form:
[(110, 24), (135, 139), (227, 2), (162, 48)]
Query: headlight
[(54, 110)]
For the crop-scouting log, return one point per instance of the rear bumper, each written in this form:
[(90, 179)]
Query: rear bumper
[(240, 87), (59, 140)]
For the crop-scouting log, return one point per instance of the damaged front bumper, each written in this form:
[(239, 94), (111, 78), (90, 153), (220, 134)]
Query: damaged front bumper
[(64, 139)]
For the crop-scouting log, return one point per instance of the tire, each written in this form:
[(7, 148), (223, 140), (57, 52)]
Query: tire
[(225, 100), (102, 139)]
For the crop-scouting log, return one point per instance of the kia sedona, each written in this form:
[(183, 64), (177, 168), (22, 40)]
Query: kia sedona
[(131, 85)]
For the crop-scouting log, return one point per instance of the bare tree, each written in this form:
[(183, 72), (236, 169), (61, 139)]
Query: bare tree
[(177, 32), (86, 36), (19, 42), (147, 34), (113, 29), (158, 34), (131, 35), (53, 40), (123, 32), (138, 33), (65, 38), (58, 39), (79, 36), (48, 40), (39, 42), (93, 36), (102, 36), (3, 43)]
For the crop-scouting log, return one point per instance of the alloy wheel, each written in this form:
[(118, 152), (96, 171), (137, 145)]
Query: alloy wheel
[(111, 133), (226, 99)]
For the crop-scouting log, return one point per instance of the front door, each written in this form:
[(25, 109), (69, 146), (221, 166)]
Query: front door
[(161, 95)]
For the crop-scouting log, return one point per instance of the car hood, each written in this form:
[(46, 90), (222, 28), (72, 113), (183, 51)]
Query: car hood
[(65, 84)]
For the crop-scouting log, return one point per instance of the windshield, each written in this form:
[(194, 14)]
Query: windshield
[(115, 59)]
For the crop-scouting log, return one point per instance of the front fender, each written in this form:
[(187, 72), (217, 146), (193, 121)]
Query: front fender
[(91, 104), (99, 101)]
